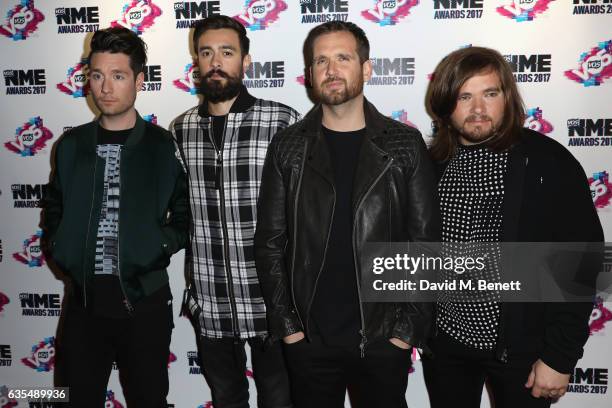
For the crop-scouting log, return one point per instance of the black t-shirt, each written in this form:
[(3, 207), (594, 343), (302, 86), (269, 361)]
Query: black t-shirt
[(335, 310), (218, 127)]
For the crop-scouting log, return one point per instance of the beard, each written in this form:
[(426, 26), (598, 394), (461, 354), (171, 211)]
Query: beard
[(215, 91), (478, 134), (339, 95)]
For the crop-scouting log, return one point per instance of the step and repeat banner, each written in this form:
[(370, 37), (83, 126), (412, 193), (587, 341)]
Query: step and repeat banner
[(560, 51)]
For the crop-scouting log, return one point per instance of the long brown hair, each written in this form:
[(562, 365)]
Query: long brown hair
[(448, 78)]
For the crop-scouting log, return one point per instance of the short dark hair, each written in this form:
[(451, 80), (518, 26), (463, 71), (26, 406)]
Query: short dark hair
[(448, 78), (363, 45), (218, 22), (121, 40)]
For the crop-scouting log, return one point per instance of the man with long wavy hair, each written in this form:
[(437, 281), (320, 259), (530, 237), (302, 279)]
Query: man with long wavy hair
[(500, 182)]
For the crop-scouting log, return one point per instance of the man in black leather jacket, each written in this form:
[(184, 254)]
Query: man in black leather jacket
[(343, 176)]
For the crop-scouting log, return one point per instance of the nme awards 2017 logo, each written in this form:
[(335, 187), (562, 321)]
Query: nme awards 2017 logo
[(402, 116), (595, 65), (76, 83), (30, 138), (389, 12), (190, 80), (21, 21), (535, 121), (322, 11), (524, 10), (31, 254), (5, 400), (599, 316), (4, 300), (110, 401), (138, 15), (152, 118), (259, 14), (42, 358), (601, 189)]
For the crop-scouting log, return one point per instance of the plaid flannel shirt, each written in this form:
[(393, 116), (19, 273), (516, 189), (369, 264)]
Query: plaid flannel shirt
[(223, 220)]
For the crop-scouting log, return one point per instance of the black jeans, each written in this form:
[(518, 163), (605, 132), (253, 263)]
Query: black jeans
[(456, 374), (88, 345), (223, 364), (321, 374)]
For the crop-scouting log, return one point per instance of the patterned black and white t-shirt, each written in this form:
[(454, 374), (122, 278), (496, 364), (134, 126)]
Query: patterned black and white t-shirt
[(471, 198), (108, 226)]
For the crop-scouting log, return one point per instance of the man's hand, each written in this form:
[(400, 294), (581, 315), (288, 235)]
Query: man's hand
[(293, 338), (546, 382), (399, 343)]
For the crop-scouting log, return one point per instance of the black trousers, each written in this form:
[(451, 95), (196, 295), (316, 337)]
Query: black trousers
[(87, 346), (223, 363), (456, 374), (321, 374)]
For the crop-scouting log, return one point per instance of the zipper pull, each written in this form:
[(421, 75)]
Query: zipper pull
[(362, 344), (218, 170), (128, 306)]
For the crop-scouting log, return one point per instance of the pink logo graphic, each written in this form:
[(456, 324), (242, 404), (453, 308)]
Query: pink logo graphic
[(601, 189), (5, 401), (191, 79), (207, 404), (150, 118), (595, 65), (30, 138), (4, 300), (31, 253), (259, 14), (387, 12), (171, 358), (76, 83), (21, 21), (138, 16), (402, 116), (599, 316), (301, 80), (110, 401), (43, 356), (524, 10), (535, 121)]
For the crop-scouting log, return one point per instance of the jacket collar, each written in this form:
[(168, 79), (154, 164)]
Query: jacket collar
[(243, 102), (311, 124), (372, 158), (133, 138)]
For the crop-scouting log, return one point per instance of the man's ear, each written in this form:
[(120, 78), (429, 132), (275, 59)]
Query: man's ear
[(366, 69), (139, 81), (246, 62)]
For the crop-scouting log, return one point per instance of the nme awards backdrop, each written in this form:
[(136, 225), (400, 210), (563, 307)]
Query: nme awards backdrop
[(560, 51)]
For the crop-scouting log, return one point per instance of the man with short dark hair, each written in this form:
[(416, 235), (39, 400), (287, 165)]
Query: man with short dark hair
[(115, 211), (223, 143), (342, 177), (501, 182)]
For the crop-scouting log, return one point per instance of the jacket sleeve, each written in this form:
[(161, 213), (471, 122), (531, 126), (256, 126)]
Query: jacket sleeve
[(567, 324), (270, 248), (52, 203), (415, 320), (176, 225)]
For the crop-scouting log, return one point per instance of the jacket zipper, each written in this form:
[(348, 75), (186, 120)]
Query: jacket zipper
[(126, 301), (295, 214), (364, 339), (219, 177), (314, 290), (88, 229)]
